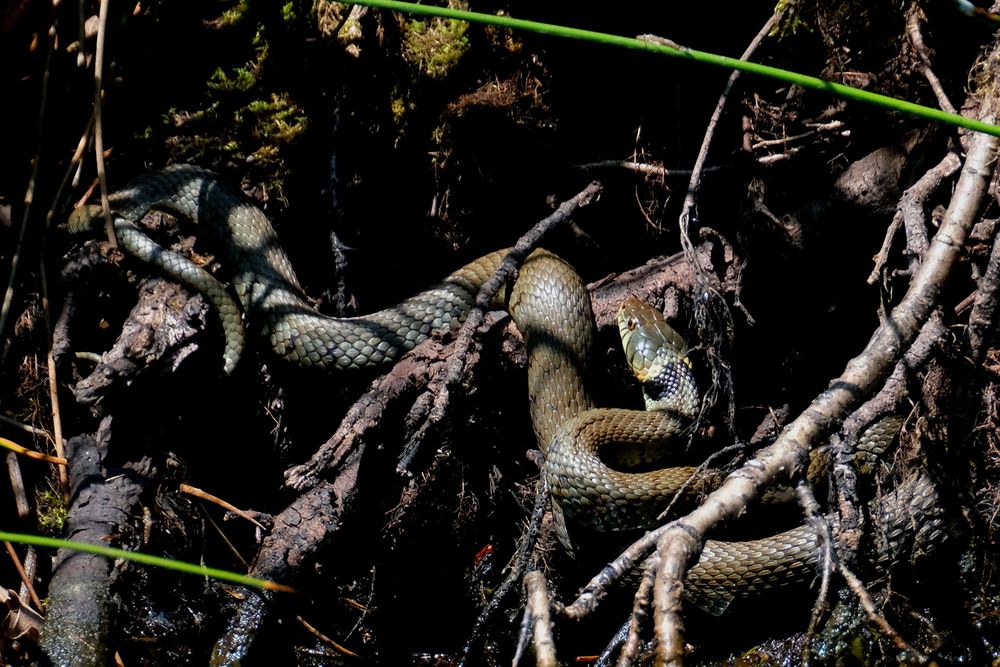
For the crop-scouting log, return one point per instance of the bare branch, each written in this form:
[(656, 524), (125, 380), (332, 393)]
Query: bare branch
[(689, 213), (913, 18), (641, 168), (538, 607), (983, 317), (910, 212), (812, 511), (109, 225), (643, 597), (878, 619)]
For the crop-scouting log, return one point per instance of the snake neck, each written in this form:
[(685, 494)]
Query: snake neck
[(550, 305)]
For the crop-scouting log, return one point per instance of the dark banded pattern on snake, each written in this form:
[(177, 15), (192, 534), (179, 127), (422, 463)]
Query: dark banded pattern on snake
[(550, 306)]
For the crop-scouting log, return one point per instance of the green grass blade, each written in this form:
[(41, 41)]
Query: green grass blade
[(803, 80), (145, 559)]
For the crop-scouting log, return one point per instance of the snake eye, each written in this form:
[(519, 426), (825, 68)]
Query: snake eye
[(633, 323)]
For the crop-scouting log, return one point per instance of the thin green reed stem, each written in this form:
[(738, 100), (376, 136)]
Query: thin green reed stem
[(145, 559), (805, 81)]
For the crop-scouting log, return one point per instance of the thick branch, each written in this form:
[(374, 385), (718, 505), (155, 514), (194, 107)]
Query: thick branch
[(77, 626), (538, 606)]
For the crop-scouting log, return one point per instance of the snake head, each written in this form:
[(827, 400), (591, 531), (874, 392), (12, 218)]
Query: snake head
[(83, 217), (657, 356), (647, 338)]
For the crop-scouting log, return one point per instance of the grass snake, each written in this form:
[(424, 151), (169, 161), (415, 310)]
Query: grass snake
[(550, 305)]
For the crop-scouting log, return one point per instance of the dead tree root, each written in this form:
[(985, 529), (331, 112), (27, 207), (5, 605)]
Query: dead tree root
[(102, 510)]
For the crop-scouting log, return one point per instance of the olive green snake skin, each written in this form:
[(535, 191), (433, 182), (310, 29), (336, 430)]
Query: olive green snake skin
[(551, 307)]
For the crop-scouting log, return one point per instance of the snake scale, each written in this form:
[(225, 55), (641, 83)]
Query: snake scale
[(550, 305)]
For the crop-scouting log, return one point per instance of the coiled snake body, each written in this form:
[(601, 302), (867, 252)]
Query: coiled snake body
[(551, 307)]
